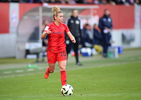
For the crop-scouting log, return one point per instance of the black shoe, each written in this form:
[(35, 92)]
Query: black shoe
[(105, 55), (79, 64)]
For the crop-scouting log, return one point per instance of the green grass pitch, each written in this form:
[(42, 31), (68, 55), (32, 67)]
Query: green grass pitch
[(97, 79)]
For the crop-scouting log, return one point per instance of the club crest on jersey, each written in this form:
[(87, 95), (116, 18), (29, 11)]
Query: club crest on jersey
[(109, 19), (77, 22), (49, 60), (62, 28)]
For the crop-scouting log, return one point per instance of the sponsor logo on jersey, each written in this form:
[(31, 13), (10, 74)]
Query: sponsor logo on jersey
[(57, 32), (71, 21), (104, 19)]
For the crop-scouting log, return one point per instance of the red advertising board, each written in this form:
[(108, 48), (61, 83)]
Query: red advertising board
[(24, 7), (122, 16), (4, 18)]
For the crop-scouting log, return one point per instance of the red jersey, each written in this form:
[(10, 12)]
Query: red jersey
[(56, 39)]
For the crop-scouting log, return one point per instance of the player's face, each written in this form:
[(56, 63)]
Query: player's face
[(75, 13), (95, 26), (107, 12), (59, 18)]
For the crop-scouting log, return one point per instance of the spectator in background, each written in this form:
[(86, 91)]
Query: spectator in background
[(61, 1), (120, 1), (86, 40), (97, 39), (130, 1), (103, 1), (106, 26), (88, 1), (54, 1), (44, 41), (16, 1), (136, 2), (75, 26), (111, 2), (96, 2), (5, 0), (69, 1), (38, 1), (79, 1)]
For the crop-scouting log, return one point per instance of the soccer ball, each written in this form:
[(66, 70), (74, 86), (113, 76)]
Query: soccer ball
[(67, 90)]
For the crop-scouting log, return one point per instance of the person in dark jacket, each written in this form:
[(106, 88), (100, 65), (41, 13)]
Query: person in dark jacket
[(75, 27), (106, 25), (86, 40), (44, 41), (97, 37)]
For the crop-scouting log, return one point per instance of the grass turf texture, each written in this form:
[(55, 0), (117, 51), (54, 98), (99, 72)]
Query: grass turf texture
[(98, 79)]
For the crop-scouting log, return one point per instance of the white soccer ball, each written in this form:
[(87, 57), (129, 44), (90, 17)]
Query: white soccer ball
[(67, 90)]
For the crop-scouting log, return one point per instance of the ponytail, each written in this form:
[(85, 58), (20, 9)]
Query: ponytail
[(55, 11)]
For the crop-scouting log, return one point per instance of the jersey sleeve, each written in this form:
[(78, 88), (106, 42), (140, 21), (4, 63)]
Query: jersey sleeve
[(46, 28), (67, 29)]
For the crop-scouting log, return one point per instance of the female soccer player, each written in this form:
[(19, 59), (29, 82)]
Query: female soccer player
[(56, 48)]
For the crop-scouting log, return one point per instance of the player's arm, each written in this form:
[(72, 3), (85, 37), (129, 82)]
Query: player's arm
[(71, 37), (46, 31)]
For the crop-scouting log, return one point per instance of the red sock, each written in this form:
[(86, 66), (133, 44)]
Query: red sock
[(48, 70), (46, 75), (63, 77)]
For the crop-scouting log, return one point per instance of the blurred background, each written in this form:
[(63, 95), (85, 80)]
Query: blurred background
[(22, 23), (115, 77)]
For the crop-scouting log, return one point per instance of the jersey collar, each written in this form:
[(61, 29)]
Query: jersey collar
[(55, 24)]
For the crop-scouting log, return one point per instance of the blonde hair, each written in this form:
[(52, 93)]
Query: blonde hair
[(55, 11)]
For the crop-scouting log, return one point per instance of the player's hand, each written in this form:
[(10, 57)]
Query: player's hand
[(73, 40), (48, 31), (109, 30), (46, 41)]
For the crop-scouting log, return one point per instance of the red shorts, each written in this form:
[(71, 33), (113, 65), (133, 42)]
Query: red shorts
[(53, 57)]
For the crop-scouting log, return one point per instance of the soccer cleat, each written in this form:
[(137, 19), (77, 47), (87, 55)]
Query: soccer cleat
[(46, 75), (104, 55), (79, 64)]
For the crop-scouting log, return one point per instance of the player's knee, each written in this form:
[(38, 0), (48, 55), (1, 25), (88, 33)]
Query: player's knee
[(62, 68), (51, 71)]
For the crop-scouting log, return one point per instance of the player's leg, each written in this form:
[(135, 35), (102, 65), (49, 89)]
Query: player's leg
[(62, 60), (76, 51), (105, 46), (49, 69), (51, 60), (62, 66)]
